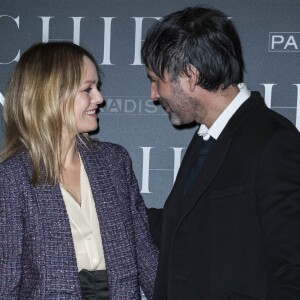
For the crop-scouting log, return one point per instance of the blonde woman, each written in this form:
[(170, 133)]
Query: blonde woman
[(72, 221)]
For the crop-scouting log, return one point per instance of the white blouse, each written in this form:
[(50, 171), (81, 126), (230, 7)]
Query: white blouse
[(85, 226)]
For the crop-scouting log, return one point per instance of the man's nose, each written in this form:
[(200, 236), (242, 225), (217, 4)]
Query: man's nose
[(153, 92)]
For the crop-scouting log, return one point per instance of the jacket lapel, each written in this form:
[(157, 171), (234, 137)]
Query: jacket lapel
[(208, 172), (48, 211), (109, 201), (187, 162), (216, 156)]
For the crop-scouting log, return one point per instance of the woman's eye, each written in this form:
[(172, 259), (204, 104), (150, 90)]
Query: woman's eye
[(87, 90)]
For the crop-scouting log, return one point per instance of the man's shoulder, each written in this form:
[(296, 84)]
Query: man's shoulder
[(256, 115)]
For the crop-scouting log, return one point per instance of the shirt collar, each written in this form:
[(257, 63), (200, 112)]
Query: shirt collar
[(220, 123)]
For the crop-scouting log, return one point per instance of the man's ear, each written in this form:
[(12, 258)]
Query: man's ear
[(193, 76)]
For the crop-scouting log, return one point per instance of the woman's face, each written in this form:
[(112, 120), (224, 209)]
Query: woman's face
[(87, 99)]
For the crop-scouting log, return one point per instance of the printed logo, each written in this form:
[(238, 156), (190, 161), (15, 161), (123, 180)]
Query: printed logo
[(130, 105), (284, 42)]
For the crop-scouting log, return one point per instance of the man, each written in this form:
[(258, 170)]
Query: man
[(231, 228)]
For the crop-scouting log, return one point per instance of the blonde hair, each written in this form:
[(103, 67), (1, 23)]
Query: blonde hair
[(39, 100)]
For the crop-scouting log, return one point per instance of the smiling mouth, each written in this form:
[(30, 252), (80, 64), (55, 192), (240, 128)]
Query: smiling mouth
[(91, 112)]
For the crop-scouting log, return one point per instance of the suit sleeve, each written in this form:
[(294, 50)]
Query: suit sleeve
[(278, 194), (147, 253), (10, 235), (155, 216)]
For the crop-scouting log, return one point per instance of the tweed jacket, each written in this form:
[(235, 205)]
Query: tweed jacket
[(37, 256)]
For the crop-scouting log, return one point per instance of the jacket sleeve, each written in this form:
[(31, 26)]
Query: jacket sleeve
[(147, 253), (278, 194), (155, 216), (10, 234)]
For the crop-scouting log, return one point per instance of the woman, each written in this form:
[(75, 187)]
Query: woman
[(72, 221)]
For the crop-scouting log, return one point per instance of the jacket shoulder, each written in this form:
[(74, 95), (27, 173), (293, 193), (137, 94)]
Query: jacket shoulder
[(107, 147), (254, 115), (110, 151), (13, 165)]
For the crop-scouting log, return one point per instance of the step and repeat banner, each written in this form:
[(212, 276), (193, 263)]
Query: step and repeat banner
[(113, 31)]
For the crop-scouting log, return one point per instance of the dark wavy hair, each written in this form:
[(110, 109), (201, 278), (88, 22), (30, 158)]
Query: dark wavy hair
[(201, 37)]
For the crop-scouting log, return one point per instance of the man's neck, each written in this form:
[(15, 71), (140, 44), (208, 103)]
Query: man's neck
[(217, 103)]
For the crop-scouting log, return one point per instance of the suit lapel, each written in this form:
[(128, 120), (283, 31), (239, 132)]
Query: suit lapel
[(187, 162), (215, 158), (208, 172)]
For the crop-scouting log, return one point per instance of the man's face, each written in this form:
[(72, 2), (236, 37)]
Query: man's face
[(173, 98)]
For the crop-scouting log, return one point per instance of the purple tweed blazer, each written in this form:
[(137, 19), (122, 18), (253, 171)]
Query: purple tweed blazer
[(37, 256)]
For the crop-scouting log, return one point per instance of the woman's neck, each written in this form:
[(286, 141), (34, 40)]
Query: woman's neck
[(69, 154)]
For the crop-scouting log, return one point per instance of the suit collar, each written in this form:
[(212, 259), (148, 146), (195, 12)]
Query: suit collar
[(249, 107), (222, 120)]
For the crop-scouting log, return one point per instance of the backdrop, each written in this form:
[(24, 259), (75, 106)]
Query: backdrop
[(113, 30)]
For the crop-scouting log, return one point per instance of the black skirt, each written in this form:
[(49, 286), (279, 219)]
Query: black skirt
[(94, 285)]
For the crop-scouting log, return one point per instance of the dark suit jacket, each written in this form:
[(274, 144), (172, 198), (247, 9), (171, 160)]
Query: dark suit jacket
[(236, 234), (37, 257)]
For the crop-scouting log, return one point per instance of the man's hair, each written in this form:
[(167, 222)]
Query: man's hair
[(39, 100), (198, 37)]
